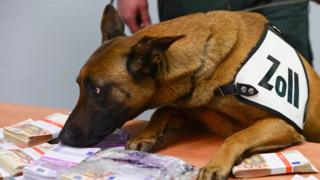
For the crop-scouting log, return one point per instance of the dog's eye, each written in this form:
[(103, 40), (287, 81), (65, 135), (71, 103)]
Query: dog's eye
[(95, 90)]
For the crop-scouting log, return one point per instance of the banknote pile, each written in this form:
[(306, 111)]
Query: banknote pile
[(46, 161), (34, 132), (62, 157), (117, 163), (273, 163), (13, 160), (118, 138), (55, 161), (5, 145)]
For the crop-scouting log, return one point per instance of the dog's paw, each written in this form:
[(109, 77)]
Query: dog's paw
[(212, 172), (141, 143)]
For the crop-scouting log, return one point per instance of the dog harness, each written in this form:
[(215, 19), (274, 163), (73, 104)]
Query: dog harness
[(273, 78)]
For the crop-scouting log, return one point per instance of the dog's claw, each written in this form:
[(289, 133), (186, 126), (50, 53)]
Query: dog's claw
[(141, 144), (211, 173)]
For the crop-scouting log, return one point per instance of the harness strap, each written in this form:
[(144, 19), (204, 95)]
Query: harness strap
[(236, 89)]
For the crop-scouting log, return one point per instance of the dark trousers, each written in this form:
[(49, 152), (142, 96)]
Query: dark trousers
[(291, 19)]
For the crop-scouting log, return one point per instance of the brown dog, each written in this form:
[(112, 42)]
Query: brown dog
[(177, 66)]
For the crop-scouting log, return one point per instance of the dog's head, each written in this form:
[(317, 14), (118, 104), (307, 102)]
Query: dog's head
[(116, 83)]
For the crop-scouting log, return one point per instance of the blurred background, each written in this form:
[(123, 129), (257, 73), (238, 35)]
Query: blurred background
[(44, 43)]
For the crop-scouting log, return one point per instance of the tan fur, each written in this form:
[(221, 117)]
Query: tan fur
[(214, 47)]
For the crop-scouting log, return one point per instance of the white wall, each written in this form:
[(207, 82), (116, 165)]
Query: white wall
[(44, 43)]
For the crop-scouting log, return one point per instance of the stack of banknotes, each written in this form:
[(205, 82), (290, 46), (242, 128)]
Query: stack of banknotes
[(13, 160), (5, 145), (45, 161), (267, 164), (118, 138), (33, 132), (62, 157), (117, 163), (55, 161)]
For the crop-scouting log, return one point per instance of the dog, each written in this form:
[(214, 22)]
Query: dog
[(187, 68)]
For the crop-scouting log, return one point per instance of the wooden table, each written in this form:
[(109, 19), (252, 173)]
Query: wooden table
[(195, 148)]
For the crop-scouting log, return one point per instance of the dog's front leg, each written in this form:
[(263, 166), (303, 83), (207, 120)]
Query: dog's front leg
[(162, 119), (264, 135)]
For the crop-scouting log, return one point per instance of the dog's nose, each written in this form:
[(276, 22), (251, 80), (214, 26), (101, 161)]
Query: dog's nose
[(70, 136)]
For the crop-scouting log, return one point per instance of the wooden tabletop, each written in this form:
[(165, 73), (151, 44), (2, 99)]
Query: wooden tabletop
[(13, 113), (195, 148)]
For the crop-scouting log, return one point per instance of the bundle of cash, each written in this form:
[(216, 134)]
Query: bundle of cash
[(4, 145), (118, 138), (116, 163), (14, 160), (34, 132), (60, 158), (273, 163)]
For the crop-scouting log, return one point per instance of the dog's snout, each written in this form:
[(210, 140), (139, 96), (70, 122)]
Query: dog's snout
[(71, 136)]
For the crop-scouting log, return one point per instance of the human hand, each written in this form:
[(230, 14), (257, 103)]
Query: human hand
[(134, 13)]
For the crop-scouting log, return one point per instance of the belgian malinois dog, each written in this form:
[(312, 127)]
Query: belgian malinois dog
[(182, 67)]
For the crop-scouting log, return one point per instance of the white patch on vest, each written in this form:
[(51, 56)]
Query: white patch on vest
[(276, 71)]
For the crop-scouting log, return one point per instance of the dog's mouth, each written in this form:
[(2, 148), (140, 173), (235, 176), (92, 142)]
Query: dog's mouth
[(83, 140), (73, 135), (86, 127)]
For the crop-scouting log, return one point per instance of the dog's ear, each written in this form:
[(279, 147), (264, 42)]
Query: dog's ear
[(111, 23), (148, 55)]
